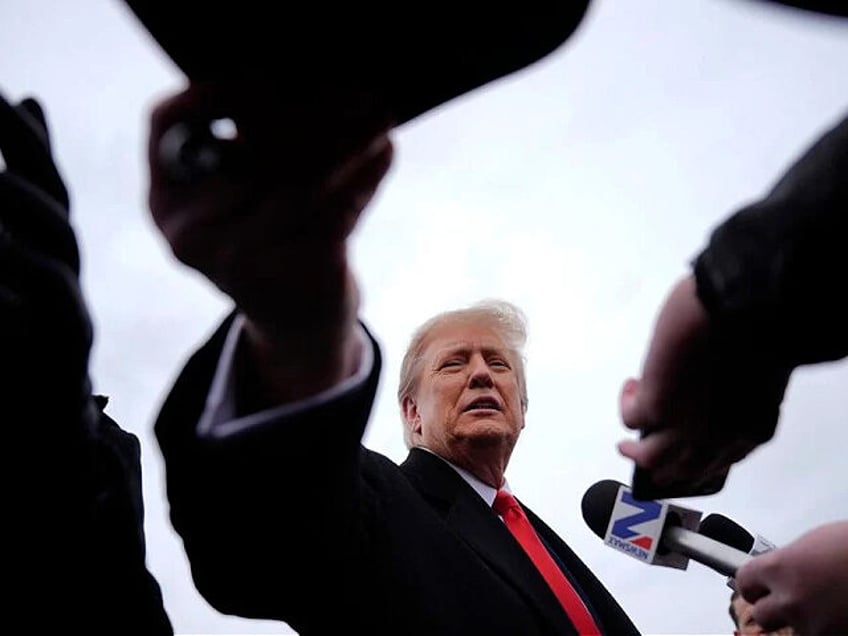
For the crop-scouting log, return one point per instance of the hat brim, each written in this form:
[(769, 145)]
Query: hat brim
[(415, 63)]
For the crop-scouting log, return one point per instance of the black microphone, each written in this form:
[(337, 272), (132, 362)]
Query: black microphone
[(720, 528), (654, 532), (725, 530)]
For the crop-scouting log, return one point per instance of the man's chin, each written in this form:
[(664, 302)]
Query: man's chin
[(487, 434)]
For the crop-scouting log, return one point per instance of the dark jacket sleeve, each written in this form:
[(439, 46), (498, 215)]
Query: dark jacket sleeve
[(123, 595), (774, 273), (79, 561), (233, 499)]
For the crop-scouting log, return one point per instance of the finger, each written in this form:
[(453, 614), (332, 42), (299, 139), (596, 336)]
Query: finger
[(628, 404), (359, 160), (671, 464), (26, 149), (344, 134), (35, 219), (651, 450), (710, 483), (311, 153), (751, 579), (682, 467), (355, 188), (196, 227), (728, 453), (636, 405), (771, 613), (329, 213)]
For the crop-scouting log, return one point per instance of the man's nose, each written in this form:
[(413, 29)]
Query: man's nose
[(481, 375)]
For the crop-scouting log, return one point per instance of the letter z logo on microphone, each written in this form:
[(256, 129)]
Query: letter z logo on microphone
[(636, 526)]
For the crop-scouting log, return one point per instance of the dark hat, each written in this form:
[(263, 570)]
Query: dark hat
[(415, 57)]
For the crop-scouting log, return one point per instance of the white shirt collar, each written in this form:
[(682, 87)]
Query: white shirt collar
[(486, 492)]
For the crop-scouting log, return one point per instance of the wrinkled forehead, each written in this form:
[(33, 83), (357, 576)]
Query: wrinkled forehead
[(464, 335)]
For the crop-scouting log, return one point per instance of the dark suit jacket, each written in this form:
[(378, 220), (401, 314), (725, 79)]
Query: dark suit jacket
[(297, 521)]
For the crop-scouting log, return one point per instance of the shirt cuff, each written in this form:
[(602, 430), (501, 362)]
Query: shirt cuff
[(219, 419)]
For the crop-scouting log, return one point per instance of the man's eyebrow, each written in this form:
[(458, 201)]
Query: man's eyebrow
[(465, 347), (451, 349)]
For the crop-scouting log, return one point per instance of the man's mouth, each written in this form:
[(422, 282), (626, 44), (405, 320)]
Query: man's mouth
[(480, 404)]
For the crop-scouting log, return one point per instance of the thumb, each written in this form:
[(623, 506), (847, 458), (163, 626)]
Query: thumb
[(628, 404), (751, 578), (770, 614)]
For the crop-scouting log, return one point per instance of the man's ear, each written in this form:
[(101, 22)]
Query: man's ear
[(410, 414)]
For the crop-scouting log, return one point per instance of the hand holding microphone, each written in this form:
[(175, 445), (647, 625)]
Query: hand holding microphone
[(803, 584), (706, 398)]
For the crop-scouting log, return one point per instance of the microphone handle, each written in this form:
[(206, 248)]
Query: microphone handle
[(720, 557)]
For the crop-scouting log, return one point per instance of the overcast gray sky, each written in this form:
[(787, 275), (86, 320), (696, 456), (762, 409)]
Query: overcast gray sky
[(578, 188)]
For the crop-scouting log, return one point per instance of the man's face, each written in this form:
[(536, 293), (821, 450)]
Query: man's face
[(467, 392), (747, 626)]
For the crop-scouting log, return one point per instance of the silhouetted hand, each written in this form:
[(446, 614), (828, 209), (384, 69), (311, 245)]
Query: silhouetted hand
[(269, 226), (45, 326), (702, 403)]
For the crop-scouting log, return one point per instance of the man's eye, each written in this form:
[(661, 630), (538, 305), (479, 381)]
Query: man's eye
[(497, 362), (453, 362)]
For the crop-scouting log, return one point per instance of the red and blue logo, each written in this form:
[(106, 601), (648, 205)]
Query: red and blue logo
[(624, 534)]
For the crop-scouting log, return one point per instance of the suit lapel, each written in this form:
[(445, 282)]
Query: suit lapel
[(478, 526), (606, 610)]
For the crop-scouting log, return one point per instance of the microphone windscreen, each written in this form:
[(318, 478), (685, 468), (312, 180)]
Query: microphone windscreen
[(727, 531), (598, 503)]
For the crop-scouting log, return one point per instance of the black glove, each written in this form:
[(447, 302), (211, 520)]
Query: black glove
[(45, 329)]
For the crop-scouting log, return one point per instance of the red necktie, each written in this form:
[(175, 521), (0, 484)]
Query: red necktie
[(518, 524)]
